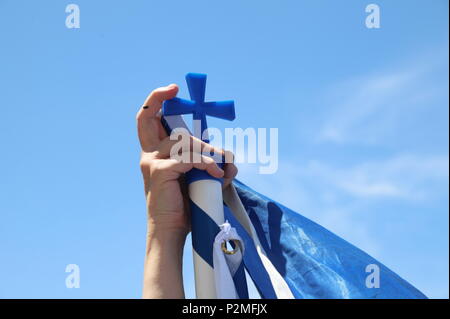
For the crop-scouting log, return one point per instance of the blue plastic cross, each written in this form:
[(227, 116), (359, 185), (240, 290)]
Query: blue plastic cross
[(197, 106)]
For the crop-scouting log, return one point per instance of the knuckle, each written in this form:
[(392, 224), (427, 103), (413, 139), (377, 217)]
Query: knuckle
[(155, 94), (234, 170), (146, 162), (143, 164), (156, 168), (210, 162), (145, 168), (159, 168)]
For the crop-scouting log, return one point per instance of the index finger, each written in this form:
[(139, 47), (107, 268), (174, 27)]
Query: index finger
[(150, 130)]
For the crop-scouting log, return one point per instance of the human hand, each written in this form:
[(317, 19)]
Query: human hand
[(166, 192)]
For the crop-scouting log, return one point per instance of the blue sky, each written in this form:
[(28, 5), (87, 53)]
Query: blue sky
[(362, 117)]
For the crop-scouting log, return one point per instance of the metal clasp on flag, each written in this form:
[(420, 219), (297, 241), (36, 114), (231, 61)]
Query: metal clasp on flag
[(237, 246)]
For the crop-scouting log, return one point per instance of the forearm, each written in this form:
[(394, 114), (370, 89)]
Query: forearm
[(163, 264)]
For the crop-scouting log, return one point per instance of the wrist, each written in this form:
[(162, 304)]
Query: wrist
[(166, 240), (167, 221), (166, 224), (163, 262), (166, 233)]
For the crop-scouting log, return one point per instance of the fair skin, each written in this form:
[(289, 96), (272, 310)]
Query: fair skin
[(167, 210)]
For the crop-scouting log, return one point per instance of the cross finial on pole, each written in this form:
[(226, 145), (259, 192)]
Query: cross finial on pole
[(197, 106)]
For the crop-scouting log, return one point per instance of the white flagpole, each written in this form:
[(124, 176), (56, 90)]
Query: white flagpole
[(207, 195)]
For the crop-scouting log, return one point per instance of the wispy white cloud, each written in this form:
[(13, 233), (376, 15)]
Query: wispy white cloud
[(405, 176), (366, 97), (368, 108)]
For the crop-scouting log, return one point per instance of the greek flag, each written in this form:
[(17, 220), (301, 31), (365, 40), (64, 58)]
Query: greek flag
[(285, 254)]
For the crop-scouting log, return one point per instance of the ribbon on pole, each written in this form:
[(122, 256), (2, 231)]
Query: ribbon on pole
[(226, 262)]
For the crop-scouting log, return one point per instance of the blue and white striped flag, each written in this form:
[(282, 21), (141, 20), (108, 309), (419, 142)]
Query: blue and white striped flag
[(285, 254)]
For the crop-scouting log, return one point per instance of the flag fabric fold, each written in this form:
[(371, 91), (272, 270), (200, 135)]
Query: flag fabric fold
[(289, 256), (313, 262)]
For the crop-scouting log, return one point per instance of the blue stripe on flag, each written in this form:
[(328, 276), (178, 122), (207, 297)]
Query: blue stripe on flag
[(204, 231), (240, 282), (252, 261)]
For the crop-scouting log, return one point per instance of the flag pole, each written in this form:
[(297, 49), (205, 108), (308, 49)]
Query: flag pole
[(205, 191), (207, 196)]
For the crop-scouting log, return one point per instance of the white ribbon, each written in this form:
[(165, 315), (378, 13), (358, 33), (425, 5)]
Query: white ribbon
[(226, 265)]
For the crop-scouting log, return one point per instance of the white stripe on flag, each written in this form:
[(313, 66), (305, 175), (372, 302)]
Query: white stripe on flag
[(226, 265), (233, 201)]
